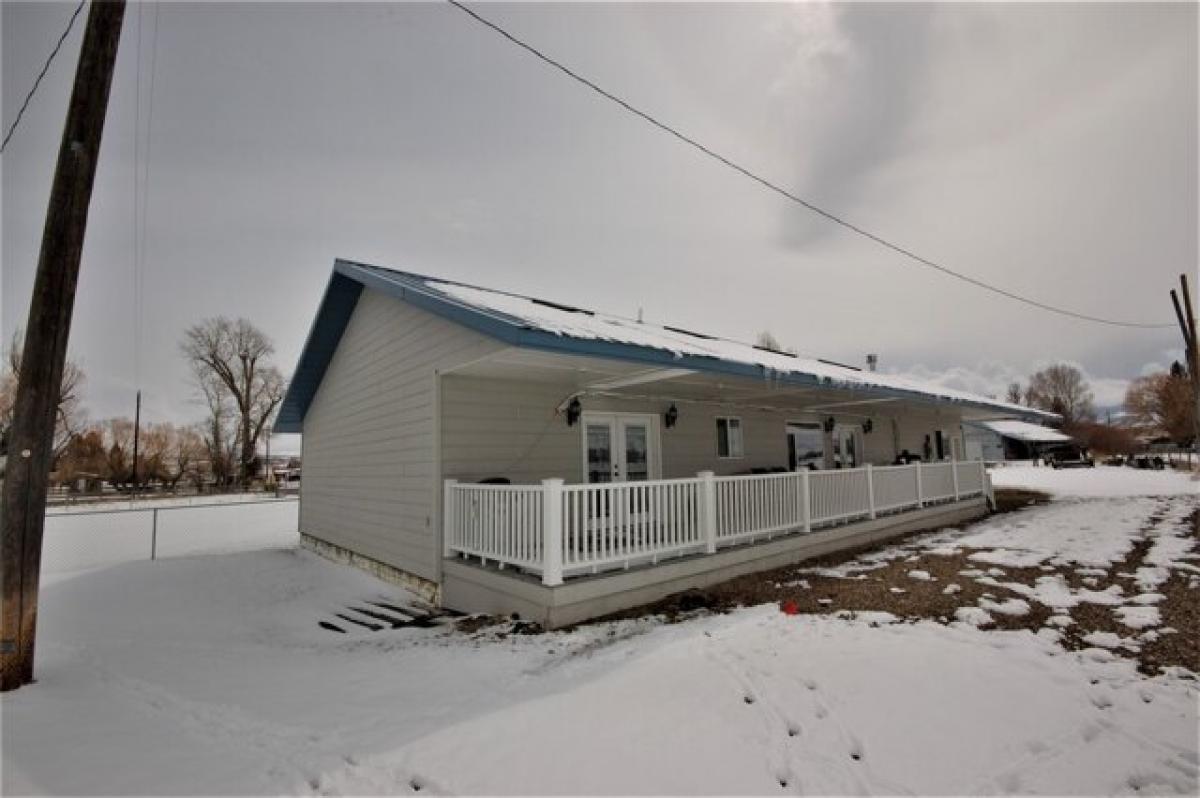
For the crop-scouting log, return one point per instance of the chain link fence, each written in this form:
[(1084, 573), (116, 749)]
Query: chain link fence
[(79, 539)]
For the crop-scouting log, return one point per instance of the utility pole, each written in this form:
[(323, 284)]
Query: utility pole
[(1187, 325), (22, 513), (137, 426)]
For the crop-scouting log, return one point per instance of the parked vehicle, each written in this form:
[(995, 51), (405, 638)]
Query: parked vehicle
[(1069, 457), (1147, 461)]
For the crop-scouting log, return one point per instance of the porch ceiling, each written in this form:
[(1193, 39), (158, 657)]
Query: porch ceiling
[(583, 376)]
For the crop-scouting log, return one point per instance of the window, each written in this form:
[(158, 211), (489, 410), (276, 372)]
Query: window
[(806, 446), (729, 437)]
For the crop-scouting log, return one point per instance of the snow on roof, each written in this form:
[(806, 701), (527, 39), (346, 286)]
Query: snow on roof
[(1024, 431), (578, 323)]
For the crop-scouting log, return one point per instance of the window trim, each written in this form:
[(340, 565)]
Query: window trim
[(741, 438)]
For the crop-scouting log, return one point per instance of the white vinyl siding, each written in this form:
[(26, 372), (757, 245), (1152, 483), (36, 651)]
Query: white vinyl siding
[(370, 481)]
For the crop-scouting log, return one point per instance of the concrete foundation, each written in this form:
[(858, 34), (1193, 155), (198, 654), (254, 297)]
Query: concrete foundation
[(428, 591)]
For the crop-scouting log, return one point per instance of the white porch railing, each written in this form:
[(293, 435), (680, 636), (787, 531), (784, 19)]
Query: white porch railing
[(558, 530)]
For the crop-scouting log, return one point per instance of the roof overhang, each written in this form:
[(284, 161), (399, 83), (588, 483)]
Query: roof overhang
[(349, 278)]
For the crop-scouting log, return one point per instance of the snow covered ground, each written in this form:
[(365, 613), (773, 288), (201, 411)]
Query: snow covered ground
[(210, 674), (81, 538), (1099, 482)]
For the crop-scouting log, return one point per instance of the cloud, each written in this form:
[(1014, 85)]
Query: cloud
[(992, 378)]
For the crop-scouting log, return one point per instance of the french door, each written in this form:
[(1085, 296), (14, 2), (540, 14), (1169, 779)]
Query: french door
[(620, 447), (845, 447)]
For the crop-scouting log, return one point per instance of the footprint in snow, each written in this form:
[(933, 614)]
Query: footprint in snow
[(1010, 782), (1090, 732)]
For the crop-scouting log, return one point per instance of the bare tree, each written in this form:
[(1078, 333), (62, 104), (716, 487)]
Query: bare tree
[(767, 340), (1061, 389), (1105, 438), (118, 451), (231, 363), (156, 441), (69, 416), (1164, 402), (171, 452), (188, 456), (84, 458), (1014, 393), (219, 429)]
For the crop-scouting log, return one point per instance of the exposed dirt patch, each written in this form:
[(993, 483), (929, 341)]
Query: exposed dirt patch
[(923, 585), (1181, 611), (1009, 499)]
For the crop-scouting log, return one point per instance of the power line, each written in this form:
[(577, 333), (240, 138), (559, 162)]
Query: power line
[(143, 128), (768, 184), (145, 189), (42, 74)]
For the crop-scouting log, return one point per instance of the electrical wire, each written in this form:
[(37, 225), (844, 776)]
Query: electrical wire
[(143, 140), (37, 81), (137, 205), (771, 186)]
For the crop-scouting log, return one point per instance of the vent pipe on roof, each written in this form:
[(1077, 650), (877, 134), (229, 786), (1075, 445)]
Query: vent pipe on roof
[(872, 362)]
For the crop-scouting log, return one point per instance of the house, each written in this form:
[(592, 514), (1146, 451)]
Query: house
[(996, 441), (500, 453)]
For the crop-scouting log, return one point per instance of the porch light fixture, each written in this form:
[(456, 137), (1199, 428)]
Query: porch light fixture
[(574, 409), (671, 416), (829, 424), (868, 425)]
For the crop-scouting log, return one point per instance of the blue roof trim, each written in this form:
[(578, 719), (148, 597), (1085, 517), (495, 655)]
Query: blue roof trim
[(349, 278), (337, 305)]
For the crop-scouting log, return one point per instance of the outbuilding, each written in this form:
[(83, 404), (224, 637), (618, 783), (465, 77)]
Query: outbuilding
[(997, 441)]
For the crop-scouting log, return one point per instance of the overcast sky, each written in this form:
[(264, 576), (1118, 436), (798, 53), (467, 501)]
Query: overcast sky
[(1051, 149)]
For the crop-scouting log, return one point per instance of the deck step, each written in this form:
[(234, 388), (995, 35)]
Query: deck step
[(379, 615), (391, 620), (374, 627)]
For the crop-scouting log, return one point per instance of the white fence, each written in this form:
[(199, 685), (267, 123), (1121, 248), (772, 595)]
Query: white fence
[(558, 530)]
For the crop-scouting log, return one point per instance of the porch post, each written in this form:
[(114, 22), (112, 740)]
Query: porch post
[(920, 487), (708, 510), (807, 500), (871, 490), (449, 521), (954, 472), (552, 543)]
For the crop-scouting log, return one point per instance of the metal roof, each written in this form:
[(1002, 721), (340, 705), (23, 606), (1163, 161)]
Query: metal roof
[(530, 323), (1023, 431)]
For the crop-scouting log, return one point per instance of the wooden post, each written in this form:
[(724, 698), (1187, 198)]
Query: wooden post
[(137, 426), (920, 487), (708, 511), (552, 529), (46, 332), (1187, 323), (954, 473)]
